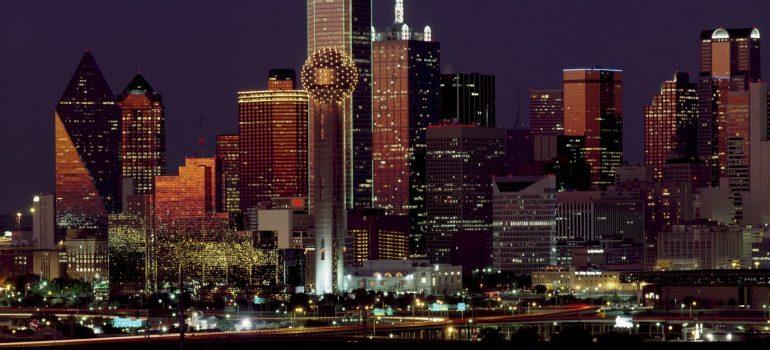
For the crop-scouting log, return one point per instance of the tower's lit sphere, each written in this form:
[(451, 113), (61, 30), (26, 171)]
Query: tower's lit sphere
[(329, 75)]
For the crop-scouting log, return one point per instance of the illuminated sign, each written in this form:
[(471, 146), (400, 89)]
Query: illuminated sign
[(121, 322)]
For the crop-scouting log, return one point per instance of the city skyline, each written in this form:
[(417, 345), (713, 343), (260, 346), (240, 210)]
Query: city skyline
[(231, 65), (435, 172)]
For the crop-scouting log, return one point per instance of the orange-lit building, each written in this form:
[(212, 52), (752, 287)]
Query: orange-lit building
[(671, 124), (87, 135), (273, 134), (228, 155), (143, 137), (729, 62), (406, 71), (593, 109), (190, 194)]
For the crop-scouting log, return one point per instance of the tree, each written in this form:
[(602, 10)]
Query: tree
[(491, 335), (540, 289)]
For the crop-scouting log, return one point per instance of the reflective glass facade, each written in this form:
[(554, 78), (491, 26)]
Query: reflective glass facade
[(87, 131), (346, 25)]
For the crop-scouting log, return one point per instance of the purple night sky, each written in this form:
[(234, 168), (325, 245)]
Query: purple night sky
[(199, 53)]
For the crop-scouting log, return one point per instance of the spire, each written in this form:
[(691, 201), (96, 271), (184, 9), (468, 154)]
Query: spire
[(399, 11), (518, 125), (138, 85)]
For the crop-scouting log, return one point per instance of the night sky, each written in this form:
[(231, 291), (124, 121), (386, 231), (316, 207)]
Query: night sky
[(199, 53)]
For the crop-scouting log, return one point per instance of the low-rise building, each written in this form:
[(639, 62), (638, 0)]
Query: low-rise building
[(404, 276), (570, 280)]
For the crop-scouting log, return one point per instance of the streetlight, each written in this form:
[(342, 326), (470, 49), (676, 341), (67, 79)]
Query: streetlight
[(18, 221)]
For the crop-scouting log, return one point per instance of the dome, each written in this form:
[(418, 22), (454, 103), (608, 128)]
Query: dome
[(720, 33), (329, 75), (755, 33)]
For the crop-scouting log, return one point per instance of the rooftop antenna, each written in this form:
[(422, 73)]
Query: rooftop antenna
[(518, 125), (399, 11)]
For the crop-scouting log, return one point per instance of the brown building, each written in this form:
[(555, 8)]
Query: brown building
[(190, 194), (729, 62), (143, 137), (273, 129), (593, 109), (228, 155), (405, 102)]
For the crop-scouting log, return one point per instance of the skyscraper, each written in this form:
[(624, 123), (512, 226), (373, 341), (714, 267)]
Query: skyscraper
[(546, 112), (524, 226), (143, 137), (273, 141), (329, 75), (87, 131), (228, 155), (405, 102), (671, 124), (593, 108), (346, 25), (729, 61), (461, 162), (468, 99)]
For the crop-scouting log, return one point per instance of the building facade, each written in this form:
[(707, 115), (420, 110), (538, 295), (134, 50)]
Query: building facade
[(373, 235), (273, 142), (468, 99), (228, 164), (190, 194), (671, 124), (346, 25), (87, 138), (593, 109), (524, 223), (461, 163), (546, 112), (406, 69), (143, 137)]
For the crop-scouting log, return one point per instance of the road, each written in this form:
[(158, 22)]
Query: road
[(407, 324)]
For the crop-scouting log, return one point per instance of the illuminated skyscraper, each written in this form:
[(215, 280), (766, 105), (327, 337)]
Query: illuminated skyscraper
[(405, 101), (87, 131), (346, 25), (671, 124), (546, 112), (190, 194), (228, 155), (461, 163), (468, 99), (143, 138), (593, 108), (329, 75), (273, 141), (729, 61)]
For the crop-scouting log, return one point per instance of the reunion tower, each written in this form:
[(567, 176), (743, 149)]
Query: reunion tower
[(329, 76)]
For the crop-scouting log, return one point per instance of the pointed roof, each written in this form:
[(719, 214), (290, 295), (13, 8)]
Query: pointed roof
[(88, 82), (138, 85)]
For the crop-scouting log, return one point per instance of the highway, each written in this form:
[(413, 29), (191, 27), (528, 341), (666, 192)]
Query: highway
[(407, 324)]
